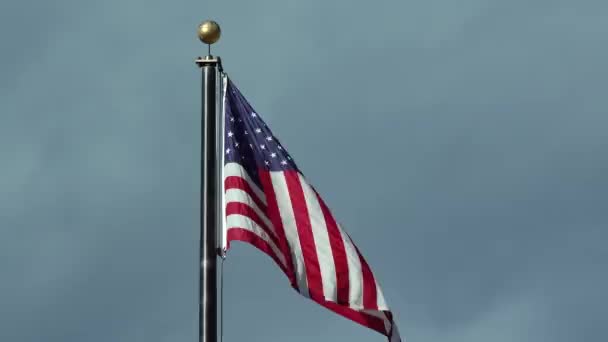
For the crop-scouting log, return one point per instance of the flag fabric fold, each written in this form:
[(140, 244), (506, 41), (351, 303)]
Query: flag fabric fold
[(269, 204)]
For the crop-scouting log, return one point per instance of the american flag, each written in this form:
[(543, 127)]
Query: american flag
[(269, 204)]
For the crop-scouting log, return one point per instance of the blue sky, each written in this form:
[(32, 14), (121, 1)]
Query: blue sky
[(461, 144)]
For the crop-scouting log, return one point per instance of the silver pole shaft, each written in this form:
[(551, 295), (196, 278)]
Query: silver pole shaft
[(209, 202)]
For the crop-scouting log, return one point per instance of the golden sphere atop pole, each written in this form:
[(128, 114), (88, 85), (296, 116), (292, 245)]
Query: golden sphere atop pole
[(209, 32)]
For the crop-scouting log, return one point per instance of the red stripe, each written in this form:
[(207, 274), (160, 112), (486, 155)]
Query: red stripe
[(272, 211), (234, 182), (307, 241), (245, 210), (339, 253), (360, 317), (240, 234), (370, 295)]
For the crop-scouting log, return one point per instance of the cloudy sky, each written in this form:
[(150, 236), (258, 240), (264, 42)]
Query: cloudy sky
[(462, 145)]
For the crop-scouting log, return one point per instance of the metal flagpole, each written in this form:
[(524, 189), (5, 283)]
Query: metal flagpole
[(209, 33)]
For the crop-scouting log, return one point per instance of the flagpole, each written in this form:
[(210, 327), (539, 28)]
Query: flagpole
[(209, 33)]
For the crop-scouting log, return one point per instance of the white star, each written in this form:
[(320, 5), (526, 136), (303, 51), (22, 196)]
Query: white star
[(283, 162), (230, 134), (251, 145), (232, 118), (253, 115), (269, 138), (266, 162), (227, 150), (236, 144), (246, 133), (273, 155), (257, 130), (279, 147), (263, 147)]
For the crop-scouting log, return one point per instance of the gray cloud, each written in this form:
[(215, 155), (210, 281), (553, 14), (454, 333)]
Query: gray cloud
[(460, 144)]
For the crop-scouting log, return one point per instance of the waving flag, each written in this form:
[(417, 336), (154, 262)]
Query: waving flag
[(269, 204)]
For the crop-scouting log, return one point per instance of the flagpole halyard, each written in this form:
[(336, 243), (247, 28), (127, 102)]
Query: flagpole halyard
[(209, 33)]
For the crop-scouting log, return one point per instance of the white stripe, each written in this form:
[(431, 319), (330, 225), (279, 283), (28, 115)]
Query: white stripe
[(288, 219), (381, 302), (355, 273), (240, 196), (322, 244), (395, 335), (244, 222), (235, 169)]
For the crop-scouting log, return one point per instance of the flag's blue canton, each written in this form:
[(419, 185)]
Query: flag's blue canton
[(248, 141)]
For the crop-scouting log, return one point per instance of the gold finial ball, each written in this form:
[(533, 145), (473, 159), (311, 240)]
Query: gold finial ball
[(209, 32)]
